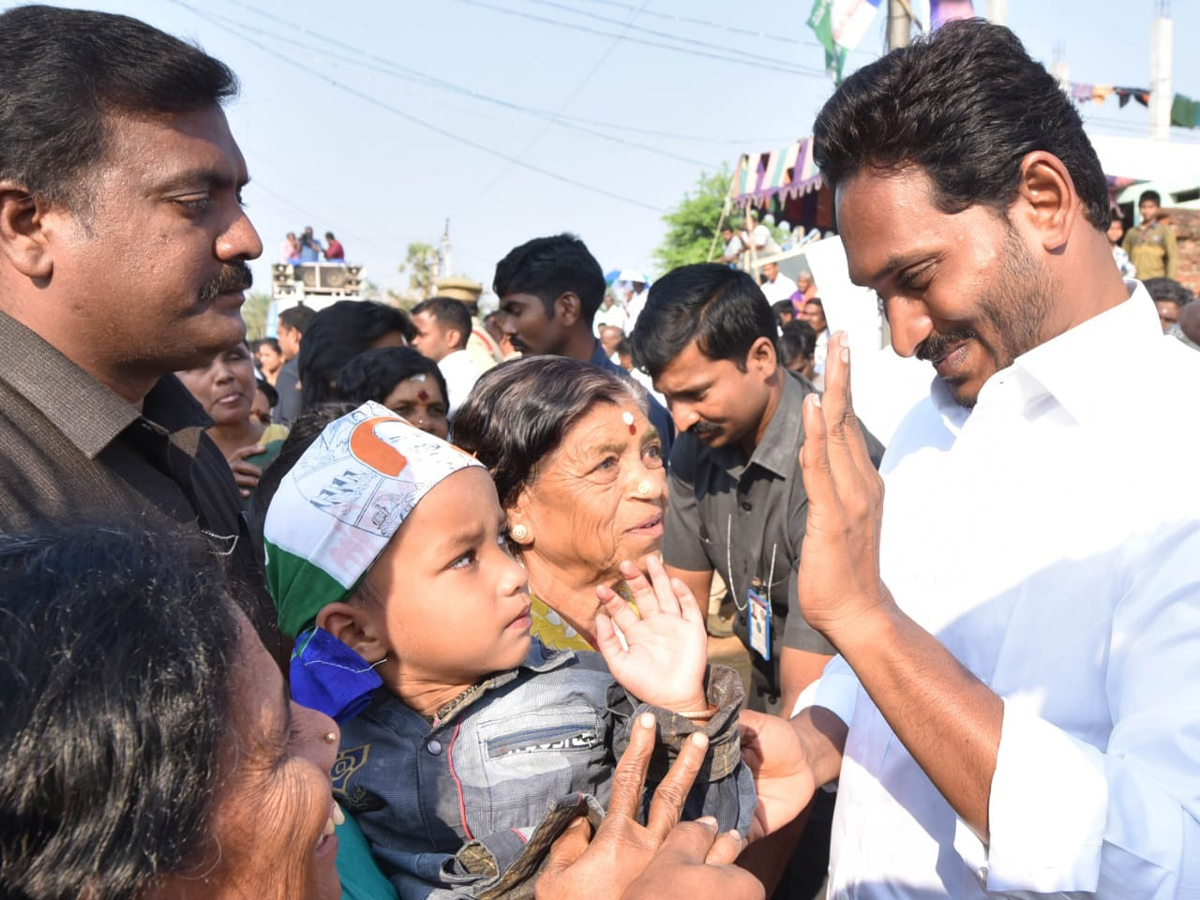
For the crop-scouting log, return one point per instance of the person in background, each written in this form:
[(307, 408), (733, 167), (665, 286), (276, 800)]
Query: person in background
[(292, 323), (797, 344), (310, 247), (289, 252), (611, 312), (1116, 231), (1151, 245), (732, 247), (1170, 297), (783, 313), (814, 315), (266, 398), (494, 324), (269, 358), (550, 289), (337, 334), (1188, 328), (758, 236), (400, 378), (776, 286), (610, 336), (443, 326), (334, 251), (225, 388)]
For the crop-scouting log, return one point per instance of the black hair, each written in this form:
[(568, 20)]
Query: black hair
[(373, 375), (1168, 290), (549, 267), (624, 347), (965, 106), (449, 314), (781, 307), (329, 236), (338, 333), (268, 390), (63, 71), (719, 308), (116, 654), (296, 317), (816, 300), (520, 411), (798, 339), (304, 429), (1152, 196), (271, 342)]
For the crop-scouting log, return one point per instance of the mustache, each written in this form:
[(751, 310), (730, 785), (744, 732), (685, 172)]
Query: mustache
[(934, 346), (703, 429), (235, 276)]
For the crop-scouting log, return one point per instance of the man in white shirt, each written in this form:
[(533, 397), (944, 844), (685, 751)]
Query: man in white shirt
[(443, 328), (1012, 711), (733, 249), (775, 285)]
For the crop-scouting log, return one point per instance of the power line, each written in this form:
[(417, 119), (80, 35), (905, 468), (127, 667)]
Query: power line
[(392, 67), (757, 62), (437, 129)]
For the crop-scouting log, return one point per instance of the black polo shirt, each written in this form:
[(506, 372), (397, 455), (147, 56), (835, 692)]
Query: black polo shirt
[(71, 450), (746, 520)]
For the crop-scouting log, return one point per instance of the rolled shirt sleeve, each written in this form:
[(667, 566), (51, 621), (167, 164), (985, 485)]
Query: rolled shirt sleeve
[(1120, 820)]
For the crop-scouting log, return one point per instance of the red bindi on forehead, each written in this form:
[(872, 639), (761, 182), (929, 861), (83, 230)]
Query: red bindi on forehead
[(422, 395)]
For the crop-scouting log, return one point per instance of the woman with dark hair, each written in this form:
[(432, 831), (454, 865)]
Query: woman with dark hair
[(401, 379), (579, 469), (145, 735), (337, 334)]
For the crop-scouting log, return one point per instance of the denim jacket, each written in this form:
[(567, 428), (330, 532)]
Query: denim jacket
[(466, 807)]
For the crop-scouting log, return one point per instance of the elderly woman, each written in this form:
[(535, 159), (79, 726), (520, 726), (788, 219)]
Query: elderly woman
[(579, 469)]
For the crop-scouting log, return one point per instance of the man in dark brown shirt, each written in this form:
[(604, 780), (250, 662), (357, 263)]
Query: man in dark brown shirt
[(123, 249)]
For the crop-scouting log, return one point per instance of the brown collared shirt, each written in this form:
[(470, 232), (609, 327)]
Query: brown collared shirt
[(73, 451)]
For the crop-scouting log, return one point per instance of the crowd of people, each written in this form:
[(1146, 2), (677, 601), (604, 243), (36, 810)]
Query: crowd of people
[(307, 249), (413, 605)]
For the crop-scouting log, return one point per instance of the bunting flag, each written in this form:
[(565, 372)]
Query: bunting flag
[(943, 11), (1098, 93), (1185, 112), (840, 25)]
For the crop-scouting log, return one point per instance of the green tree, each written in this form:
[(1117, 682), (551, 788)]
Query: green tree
[(420, 262), (254, 314), (692, 224)]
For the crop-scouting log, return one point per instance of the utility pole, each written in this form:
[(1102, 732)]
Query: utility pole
[(899, 23), (997, 12), (1161, 38)]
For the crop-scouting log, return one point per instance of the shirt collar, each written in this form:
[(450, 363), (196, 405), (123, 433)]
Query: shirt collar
[(776, 451), (1076, 367), (88, 414)]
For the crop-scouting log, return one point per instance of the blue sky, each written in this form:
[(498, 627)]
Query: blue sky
[(518, 118)]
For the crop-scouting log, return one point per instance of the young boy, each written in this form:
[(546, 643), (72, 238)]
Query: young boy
[(467, 747)]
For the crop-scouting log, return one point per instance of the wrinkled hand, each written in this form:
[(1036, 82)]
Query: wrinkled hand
[(783, 778), (695, 862), (667, 651), (839, 569), (245, 474), (623, 850)]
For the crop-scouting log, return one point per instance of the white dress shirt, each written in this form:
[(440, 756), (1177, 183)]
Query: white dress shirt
[(460, 373), (1050, 539), (781, 288)]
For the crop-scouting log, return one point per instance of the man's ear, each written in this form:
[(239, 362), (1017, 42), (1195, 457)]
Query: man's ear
[(1048, 199), (356, 627), (568, 308), (23, 240), (762, 357), (453, 338)]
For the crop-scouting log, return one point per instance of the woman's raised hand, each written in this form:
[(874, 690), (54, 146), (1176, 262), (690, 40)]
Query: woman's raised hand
[(663, 656)]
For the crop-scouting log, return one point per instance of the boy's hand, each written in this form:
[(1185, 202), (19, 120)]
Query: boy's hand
[(667, 651)]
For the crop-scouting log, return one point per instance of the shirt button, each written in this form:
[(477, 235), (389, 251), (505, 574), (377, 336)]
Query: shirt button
[(746, 505), (434, 747)]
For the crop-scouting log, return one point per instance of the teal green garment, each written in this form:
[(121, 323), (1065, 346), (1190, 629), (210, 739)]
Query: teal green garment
[(360, 877)]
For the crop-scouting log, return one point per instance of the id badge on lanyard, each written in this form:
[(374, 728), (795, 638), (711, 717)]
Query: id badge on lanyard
[(758, 612)]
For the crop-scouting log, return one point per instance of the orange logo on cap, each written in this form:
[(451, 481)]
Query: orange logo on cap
[(375, 452)]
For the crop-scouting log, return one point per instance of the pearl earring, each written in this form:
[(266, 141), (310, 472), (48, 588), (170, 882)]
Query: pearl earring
[(519, 533)]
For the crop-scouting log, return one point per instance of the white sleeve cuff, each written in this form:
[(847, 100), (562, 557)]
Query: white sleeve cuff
[(836, 690), (1046, 814)]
